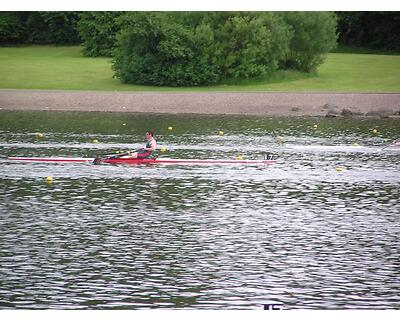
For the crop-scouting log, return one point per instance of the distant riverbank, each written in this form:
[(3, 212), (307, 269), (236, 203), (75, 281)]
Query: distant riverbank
[(232, 103)]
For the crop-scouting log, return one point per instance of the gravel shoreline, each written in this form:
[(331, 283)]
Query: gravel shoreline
[(230, 103)]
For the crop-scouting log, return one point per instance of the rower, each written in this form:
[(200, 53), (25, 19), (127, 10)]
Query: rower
[(149, 150)]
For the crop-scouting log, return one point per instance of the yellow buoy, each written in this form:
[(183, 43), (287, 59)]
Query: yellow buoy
[(315, 126), (40, 135), (49, 179), (170, 128), (239, 157), (355, 144), (339, 169), (221, 133), (374, 130), (163, 149), (124, 124), (95, 141), (280, 139)]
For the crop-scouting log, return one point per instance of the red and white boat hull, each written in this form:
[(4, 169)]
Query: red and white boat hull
[(141, 161)]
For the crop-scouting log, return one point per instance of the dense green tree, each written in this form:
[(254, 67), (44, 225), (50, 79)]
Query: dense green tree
[(313, 36), (98, 32), (52, 28), (375, 30), (39, 27), (12, 28)]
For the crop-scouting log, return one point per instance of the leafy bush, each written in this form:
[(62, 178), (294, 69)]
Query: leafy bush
[(313, 35), (98, 32), (250, 45), (154, 49), (198, 48)]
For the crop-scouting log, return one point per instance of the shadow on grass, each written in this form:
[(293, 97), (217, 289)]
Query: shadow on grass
[(280, 76), (357, 50)]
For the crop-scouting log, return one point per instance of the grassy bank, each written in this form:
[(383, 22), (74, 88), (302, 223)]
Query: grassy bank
[(46, 67)]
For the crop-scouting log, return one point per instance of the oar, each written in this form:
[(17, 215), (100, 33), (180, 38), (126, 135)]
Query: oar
[(119, 155), (99, 158)]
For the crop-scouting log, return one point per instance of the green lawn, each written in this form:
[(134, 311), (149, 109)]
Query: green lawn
[(48, 67)]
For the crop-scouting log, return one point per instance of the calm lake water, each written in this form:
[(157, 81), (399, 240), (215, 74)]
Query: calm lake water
[(318, 230)]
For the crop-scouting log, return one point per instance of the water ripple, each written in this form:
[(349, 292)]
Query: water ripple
[(300, 233)]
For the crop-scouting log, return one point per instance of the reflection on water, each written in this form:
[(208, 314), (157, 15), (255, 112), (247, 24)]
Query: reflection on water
[(300, 233)]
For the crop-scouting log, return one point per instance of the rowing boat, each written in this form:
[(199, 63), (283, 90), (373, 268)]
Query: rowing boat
[(111, 160), (184, 161)]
